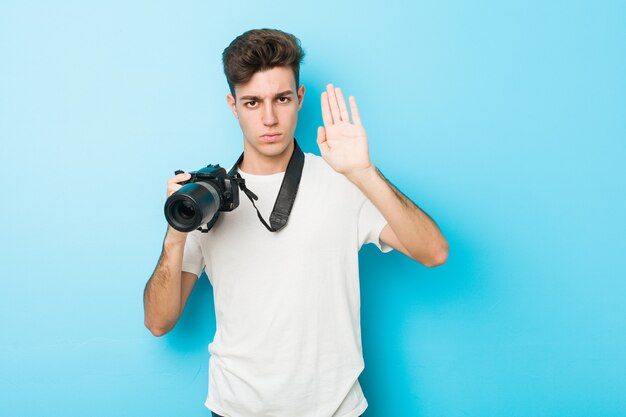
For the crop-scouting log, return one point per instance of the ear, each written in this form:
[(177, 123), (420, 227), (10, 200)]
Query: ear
[(301, 91), (232, 103)]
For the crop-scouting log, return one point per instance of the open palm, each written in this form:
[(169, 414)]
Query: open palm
[(343, 145)]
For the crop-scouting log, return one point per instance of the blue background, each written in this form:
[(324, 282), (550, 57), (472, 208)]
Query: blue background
[(505, 121)]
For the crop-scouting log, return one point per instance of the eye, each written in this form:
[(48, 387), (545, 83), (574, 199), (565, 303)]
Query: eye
[(250, 103), (284, 99)]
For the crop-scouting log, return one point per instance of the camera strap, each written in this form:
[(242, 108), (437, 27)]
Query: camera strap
[(286, 195)]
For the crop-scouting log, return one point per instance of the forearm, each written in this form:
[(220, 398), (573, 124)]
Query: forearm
[(414, 229), (162, 295)]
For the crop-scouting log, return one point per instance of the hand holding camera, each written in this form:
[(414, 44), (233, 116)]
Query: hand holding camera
[(196, 198), (175, 183)]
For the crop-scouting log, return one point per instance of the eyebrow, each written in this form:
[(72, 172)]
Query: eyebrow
[(256, 98)]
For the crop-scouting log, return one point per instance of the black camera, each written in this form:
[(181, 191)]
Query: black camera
[(208, 191)]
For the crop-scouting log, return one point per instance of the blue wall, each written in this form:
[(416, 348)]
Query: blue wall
[(505, 121)]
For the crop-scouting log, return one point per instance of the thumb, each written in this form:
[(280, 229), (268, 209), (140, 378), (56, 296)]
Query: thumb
[(321, 141)]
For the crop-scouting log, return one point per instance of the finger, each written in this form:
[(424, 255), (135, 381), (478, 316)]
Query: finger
[(321, 140), (179, 178), (326, 116), (332, 100), (356, 117), (345, 116), (321, 135), (172, 188)]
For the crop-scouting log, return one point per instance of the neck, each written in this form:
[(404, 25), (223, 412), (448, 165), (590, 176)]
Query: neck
[(257, 164)]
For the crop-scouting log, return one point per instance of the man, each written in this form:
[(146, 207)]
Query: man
[(288, 339)]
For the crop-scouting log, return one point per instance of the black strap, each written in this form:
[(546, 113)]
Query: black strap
[(286, 195)]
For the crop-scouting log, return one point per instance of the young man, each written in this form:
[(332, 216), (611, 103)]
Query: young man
[(287, 307)]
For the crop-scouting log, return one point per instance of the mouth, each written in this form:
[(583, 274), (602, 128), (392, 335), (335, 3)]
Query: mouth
[(271, 137)]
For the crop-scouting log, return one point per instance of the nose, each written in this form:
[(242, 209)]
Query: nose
[(269, 116)]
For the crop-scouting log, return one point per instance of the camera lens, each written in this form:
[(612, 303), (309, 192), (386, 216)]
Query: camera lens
[(193, 205), (186, 210)]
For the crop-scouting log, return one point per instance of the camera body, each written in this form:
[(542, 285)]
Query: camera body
[(201, 198), (218, 178)]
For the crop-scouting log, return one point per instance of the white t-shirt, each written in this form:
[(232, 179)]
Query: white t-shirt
[(287, 304)]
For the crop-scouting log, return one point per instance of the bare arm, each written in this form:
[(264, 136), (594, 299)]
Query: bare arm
[(168, 288), (409, 230)]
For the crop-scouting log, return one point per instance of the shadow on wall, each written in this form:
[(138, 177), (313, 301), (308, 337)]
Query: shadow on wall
[(196, 326), (395, 292)]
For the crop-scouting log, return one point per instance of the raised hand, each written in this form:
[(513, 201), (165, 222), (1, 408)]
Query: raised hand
[(343, 145)]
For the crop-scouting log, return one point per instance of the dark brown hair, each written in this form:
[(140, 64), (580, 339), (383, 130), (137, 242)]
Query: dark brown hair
[(259, 50)]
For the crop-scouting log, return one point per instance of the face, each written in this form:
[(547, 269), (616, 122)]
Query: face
[(267, 109)]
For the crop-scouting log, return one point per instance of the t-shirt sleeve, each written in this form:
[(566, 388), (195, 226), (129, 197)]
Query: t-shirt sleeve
[(193, 260), (371, 223)]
